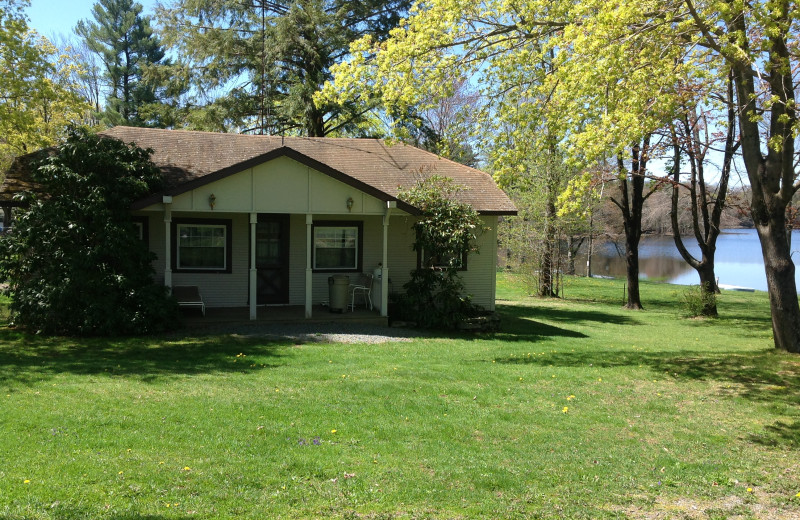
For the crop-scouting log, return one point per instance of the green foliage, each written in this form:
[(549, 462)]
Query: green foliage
[(257, 65), (126, 45), (446, 231), (36, 98), (697, 301), (74, 263)]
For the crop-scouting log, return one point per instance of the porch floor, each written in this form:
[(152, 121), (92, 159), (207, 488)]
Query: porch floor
[(215, 316)]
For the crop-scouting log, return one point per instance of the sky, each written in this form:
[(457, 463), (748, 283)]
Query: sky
[(58, 17)]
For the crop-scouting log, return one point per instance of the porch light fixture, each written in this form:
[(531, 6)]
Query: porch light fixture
[(349, 203), (212, 200)]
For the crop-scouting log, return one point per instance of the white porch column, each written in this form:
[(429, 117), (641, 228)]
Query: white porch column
[(167, 200), (385, 263), (253, 270), (309, 269)]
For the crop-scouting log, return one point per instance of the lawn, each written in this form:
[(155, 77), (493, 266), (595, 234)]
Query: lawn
[(577, 409)]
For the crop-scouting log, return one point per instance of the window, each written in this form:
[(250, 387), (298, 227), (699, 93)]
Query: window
[(338, 246), (141, 228), (201, 245), (440, 262)]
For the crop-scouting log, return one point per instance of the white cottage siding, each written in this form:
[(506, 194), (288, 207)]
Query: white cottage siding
[(478, 278), (218, 289)]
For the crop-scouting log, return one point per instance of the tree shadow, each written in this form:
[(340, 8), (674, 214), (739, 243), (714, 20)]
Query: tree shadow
[(520, 322), (765, 377), (26, 358)]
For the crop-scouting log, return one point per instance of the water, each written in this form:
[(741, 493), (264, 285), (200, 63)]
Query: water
[(738, 259)]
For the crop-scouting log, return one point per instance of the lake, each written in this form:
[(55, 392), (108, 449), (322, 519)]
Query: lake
[(738, 259)]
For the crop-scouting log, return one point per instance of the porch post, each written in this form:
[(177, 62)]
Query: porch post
[(253, 270), (385, 263), (167, 200), (309, 269)]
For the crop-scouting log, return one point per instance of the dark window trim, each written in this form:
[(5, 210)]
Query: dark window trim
[(202, 221), (339, 223), (462, 267), (145, 222)]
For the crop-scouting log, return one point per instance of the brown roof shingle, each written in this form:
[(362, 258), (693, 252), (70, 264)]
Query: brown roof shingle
[(190, 158)]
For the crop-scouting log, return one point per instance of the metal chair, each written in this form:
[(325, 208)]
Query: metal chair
[(363, 286)]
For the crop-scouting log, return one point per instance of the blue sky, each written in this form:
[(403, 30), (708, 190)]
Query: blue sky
[(56, 17)]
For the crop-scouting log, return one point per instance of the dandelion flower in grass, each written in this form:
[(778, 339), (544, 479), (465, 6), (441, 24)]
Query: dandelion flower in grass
[(333, 431), (187, 468), (565, 409), (798, 494), (749, 490), (27, 481), (570, 397)]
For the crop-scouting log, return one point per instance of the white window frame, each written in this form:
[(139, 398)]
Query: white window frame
[(332, 225), (223, 267)]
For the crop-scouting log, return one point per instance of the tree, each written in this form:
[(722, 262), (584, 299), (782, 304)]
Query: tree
[(74, 261), (258, 64), (706, 204), (615, 74), (36, 97), (126, 46), (446, 232)]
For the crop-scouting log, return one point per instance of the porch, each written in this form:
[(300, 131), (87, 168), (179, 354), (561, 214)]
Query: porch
[(194, 319)]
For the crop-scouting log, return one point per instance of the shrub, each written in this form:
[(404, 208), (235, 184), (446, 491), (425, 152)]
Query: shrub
[(74, 263), (445, 232), (698, 302)]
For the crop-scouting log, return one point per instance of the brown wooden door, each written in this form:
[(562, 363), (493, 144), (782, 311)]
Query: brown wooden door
[(272, 258)]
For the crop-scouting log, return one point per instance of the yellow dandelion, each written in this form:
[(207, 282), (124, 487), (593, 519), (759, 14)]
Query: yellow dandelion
[(570, 397), (187, 468), (277, 389), (565, 409), (26, 481), (120, 473), (160, 462), (749, 490), (798, 494), (333, 431)]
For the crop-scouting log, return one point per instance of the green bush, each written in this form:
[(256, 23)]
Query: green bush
[(445, 232), (698, 302), (74, 262)]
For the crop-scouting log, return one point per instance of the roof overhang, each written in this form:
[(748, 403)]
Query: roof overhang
[(283, 151)]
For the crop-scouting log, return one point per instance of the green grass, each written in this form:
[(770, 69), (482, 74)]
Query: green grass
[(577, 409)]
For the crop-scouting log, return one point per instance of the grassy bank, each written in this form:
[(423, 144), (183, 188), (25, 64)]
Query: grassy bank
[(577, 409)]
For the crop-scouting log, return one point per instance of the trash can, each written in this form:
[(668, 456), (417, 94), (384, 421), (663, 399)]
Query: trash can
[(338, 286)]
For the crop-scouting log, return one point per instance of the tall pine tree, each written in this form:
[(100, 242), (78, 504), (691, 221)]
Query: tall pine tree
[(258, 64), (123, 39)]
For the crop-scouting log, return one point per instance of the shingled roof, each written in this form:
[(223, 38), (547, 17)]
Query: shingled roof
[(191, 159)]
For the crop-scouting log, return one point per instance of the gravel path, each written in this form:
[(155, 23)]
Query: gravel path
[(326, 332)]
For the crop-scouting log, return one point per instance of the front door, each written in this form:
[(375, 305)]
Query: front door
[(272, 258)]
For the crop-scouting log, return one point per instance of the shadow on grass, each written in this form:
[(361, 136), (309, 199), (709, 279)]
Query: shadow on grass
[(778, 434), (766, 377), (519, 323), (25, 358)]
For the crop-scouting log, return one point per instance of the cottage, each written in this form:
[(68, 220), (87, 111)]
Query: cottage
[(265, 220)]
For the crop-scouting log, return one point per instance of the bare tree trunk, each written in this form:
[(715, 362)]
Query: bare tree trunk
[(631, 204), (546, 266)]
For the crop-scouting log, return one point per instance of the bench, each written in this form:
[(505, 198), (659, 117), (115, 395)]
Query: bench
[(189, 296)]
